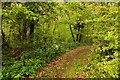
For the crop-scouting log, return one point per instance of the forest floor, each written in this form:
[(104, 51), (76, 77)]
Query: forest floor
[(68, 65)]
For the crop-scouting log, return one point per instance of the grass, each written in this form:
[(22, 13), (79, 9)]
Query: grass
[(68, 65), (76, 67)]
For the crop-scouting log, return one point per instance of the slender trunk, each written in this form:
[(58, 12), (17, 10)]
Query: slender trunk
[(24, 31), (31, 30), (71, 29), (55, 25), (80, 37), (77, 36), (3, 36), (72, 33)]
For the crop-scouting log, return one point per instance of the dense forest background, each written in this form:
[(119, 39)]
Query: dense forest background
[(33, 34)]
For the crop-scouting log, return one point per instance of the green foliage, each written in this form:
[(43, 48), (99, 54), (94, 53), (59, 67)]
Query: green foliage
[(33, 60), (36, 33), (104, 61)]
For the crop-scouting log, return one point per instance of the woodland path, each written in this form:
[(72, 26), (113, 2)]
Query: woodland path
[(67, 65)]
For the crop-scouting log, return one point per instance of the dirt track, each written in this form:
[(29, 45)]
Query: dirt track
[(56, 68)]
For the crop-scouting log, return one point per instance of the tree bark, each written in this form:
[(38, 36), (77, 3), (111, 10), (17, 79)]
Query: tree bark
[(24, 31), (31, 30), (80, 37), (72, 33)]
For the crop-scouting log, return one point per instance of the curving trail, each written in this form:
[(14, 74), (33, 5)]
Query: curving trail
[(64, 65)]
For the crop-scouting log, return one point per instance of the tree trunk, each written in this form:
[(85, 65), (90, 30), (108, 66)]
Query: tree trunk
[(3, 36), (80, 37), (24, 31), (72, 33), (31, 30), (77, 36)]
